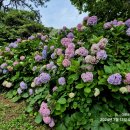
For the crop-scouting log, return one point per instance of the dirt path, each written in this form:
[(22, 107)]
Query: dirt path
[(13, 117)]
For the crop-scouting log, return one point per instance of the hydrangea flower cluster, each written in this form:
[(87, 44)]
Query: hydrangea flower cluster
[(87, 77), (7, 84), (61, 81), (45, 113), (44, 54), (23, 86), (43, 78), (127, 78), (38, 58), (66, 63), (91, 59), (114, 23), (50, 66), (66, 41), (101, 55), (128, 32), (115, 79), (15, 63), (127, 23), (4, 65), (70, 35), (92, 20), (81, 51), (13, 45), (22, 58)]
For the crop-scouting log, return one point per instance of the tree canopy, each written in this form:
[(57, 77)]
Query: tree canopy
[(104, 9)]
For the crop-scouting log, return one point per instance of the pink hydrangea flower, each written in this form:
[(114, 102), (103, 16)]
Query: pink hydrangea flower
[(59, 51), (38, 58), (22, 58), (127, 78), (66, 63), (87, 77), (66, 41), (47, 120), (95, 48), (15, 63), (52, 123), (81, 51), (69, 53), (54, 88)]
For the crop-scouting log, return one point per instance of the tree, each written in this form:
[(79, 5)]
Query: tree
[(104, 9), (18, 24), (29, 4)]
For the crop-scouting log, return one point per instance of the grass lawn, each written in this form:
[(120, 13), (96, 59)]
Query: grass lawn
[(13, 117)]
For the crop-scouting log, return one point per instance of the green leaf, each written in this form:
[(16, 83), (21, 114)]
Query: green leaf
[(62, 101), (79, 86), (107, 69), (25, 95), (87, 90), (38, 119), (15, 99)]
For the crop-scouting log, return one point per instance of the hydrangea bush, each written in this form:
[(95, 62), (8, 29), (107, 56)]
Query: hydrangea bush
[(78, 78)]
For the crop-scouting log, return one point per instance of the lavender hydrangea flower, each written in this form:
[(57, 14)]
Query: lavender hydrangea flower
[(5, 71), (70, 35), (53, 55), (115, 79), (31, 37), (87, 77), (92, 20), (38, 58), (13, 45), (127, 22), (128, 32), (23, 85), (30, 91), (19, 91), (44, 77), (107, 25), (44, 54), (45, 47), (61, 81), (3, 65), (101, 55)]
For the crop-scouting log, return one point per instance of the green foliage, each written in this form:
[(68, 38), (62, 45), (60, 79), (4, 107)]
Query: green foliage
[(76, 104), (17, 23), (105, 9)]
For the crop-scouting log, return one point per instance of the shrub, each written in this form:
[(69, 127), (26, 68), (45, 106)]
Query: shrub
[(80, 82)]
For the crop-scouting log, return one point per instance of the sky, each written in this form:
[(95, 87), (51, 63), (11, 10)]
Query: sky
[(60, 13)]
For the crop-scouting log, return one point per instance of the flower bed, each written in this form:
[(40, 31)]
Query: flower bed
[(76, 79)]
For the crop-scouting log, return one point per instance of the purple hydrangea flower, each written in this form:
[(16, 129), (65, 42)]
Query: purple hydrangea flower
[(31, 37), (38, 58), (13, 45), (70, 35), (44, 54), (43, 38), (101, 55), (19, 91), (128, 31), (92, 20), (23, 85), (127, 22), (107, 25), (61, 81), (115, 79), (30, 91), (44, 77)]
